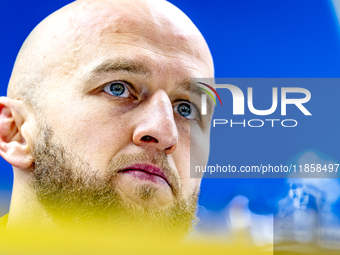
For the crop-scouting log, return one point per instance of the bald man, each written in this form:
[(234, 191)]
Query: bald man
[(98, 121)]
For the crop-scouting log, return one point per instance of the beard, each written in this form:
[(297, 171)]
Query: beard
[(71, 192)]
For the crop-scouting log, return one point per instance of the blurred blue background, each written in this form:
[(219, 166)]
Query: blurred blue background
[(247, 38)]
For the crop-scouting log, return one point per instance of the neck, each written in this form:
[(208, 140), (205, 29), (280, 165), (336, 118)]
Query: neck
[(25, 210)]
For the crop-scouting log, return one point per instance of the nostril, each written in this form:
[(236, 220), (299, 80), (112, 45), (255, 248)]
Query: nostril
[(148, 138)]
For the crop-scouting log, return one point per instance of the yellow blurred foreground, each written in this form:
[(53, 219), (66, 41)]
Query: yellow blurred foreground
[(96, 240)]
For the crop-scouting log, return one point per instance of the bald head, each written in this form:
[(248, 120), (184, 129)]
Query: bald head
[(64, 43)]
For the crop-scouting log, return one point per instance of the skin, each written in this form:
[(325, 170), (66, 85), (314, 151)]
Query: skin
[(61, 87)]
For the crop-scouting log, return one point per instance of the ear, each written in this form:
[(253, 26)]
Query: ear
[(13, 146)]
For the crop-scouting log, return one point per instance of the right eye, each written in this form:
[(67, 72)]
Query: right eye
[(118, 89)]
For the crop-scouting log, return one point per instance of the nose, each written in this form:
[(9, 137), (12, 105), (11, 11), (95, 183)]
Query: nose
[(156, 125)]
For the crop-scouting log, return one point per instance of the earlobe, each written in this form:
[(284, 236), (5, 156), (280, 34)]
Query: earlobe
[(13, 146)]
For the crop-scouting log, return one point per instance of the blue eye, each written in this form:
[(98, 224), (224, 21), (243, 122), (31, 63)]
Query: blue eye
[(118, 89), (186, 110)]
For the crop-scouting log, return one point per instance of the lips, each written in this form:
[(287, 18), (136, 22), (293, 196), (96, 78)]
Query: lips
[(146, 172)]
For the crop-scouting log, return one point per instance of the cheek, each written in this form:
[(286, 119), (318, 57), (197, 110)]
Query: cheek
[(182, 154), (190, 150), (92, 133), (198, 154)]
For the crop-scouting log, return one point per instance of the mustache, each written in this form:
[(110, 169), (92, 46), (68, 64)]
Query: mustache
[(157, 159)]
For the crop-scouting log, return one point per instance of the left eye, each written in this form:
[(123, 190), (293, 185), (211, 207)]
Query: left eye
[(186, 110), (118, 89)]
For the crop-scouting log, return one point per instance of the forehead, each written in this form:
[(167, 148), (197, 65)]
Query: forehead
[(102, 28), (170, 27)]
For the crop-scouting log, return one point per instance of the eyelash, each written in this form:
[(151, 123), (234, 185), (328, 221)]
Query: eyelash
[(128, 87), (193, 109)]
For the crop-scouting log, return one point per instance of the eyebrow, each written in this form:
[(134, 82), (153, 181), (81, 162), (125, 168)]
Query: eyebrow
[(192, 88), (122, 65), (139, 67)]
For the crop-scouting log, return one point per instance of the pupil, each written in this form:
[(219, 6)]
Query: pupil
[(184, 110), (117, 89)]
